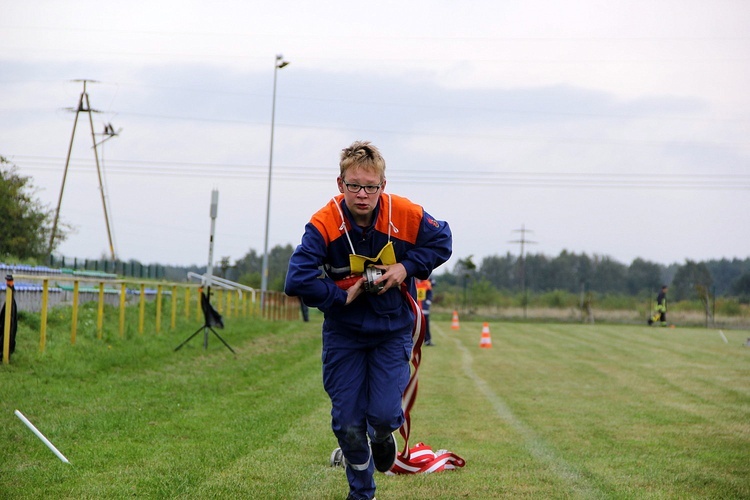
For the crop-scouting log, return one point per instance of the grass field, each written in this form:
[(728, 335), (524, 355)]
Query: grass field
[(550, 411)]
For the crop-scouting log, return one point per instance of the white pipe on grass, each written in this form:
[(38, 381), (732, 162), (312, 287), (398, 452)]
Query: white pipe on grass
[(41, 436)]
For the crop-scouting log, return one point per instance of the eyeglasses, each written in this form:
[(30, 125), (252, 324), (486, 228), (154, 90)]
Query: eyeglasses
[(356, 188)]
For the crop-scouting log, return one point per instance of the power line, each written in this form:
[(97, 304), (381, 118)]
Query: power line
[(78, 29), (579, 180), (472, 135)]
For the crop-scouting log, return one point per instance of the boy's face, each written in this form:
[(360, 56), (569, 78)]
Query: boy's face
[(361, 204)]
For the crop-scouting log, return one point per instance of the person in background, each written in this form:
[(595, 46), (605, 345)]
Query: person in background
[(661, 307), (9, 284), (424, 297), (367, 333)]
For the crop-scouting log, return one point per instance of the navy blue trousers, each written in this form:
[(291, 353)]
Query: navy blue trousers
[(365, 379)]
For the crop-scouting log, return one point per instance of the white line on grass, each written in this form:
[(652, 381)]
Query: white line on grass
[(532, 442), (722, 336)]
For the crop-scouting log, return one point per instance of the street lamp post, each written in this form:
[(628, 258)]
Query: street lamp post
[(278, 64)]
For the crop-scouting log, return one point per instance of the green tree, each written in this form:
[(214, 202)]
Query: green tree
[(250, 279), (249, 265), (643, 276), (484, 293), (609, 276), (689, 278), (466, 269), (741, 288), (725, 272), (499, 271), (561, 273), (536, 275), (25, 224), (247, 270)]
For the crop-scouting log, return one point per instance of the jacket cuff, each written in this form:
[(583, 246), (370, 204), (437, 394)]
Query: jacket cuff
[(410, 268)]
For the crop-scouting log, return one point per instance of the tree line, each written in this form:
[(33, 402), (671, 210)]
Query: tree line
[(539, 273), (581, 273)]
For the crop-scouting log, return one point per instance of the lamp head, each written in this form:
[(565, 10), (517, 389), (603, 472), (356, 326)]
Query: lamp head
[(280, 62)]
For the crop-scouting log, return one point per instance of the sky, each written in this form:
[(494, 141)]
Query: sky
[(618, 128)]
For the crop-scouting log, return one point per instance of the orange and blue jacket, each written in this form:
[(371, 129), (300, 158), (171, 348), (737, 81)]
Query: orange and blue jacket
[(424, 295), (421, 243)]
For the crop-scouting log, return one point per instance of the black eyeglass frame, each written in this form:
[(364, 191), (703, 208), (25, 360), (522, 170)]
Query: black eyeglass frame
[(356, 188)]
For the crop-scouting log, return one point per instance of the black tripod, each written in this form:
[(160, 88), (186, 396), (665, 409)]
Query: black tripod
[(211, 318)]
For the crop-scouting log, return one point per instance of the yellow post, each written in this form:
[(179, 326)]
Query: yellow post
[(158, 308), (141, 308), (74, 317), (174, 307), (123, 294), (229, 304), (219, 300), (43, 319), (198, 312), (244, 304), (100, 312), (187, 302), (6, 326)]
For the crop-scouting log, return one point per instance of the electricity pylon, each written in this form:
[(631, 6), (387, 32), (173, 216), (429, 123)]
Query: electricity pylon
[(523, 241)]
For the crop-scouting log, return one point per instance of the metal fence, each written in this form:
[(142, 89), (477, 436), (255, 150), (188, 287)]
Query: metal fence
[(40, 293)]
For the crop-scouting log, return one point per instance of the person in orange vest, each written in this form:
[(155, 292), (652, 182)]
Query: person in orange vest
[(424, 297), (368, 324)]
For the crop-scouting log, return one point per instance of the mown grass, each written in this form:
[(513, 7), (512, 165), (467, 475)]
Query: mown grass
[(550, 411)]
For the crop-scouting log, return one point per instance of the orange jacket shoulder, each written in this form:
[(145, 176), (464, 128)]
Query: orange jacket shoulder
[(327, 220), (426, 284), (405, 215)]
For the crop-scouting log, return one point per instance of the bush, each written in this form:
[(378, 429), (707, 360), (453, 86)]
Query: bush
[(618, 302), (728, 307), (558, 299), (483, 293)]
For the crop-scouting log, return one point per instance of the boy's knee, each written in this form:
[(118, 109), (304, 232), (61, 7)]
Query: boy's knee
[(355, 437)]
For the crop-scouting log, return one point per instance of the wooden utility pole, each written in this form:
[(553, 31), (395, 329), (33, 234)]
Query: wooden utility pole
[(83, 107)]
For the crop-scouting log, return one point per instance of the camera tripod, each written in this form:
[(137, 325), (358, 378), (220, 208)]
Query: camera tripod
[(211, 318)]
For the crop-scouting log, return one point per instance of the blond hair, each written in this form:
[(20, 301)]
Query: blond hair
[(363, 155)]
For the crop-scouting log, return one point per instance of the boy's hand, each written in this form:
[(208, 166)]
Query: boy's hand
[(392, 277), (355, 290)]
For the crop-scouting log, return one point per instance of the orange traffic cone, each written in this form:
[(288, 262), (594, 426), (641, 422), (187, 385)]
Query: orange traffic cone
[(454, 323), (486, 341)]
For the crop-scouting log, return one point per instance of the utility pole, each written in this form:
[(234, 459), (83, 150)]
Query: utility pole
[(84, 106), (523, 241)]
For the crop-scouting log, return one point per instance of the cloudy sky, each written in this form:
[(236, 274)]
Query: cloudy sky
[(616, 128)]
